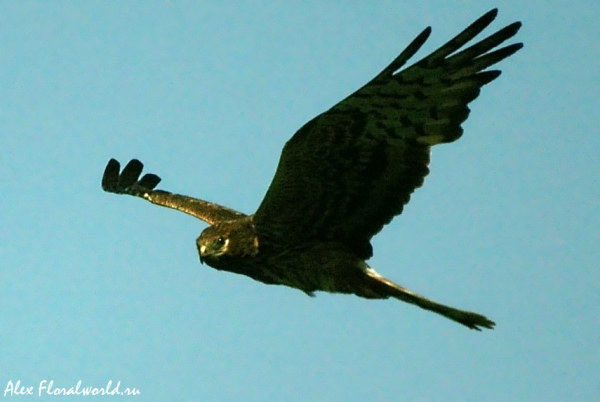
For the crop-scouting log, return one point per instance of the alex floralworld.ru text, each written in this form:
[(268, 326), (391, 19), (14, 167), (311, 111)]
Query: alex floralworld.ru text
[(47, 388)]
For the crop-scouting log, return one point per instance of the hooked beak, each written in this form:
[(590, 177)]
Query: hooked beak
[(201, 251)]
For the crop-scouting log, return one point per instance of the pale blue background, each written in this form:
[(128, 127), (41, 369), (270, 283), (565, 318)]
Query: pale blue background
[(97, 287)]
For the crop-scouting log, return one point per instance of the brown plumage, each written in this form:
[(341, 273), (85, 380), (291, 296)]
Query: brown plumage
[(344, 175)]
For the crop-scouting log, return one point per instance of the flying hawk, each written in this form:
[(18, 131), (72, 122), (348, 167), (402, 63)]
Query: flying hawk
[(344, 175)]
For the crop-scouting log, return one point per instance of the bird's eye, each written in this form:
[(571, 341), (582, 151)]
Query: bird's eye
[(220, 241)]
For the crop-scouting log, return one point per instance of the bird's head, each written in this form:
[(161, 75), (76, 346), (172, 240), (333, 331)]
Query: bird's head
[(224, 243)]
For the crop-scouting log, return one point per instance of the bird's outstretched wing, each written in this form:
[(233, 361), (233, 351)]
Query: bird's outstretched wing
[(128, 182), (349, 171)]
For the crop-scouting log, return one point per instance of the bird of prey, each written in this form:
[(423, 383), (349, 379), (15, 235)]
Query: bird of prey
[(344, 175)]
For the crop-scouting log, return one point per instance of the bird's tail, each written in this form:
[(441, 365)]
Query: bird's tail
[(387, 288)]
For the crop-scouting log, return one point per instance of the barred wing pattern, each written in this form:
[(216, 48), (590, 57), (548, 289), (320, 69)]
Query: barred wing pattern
[(349, 171)]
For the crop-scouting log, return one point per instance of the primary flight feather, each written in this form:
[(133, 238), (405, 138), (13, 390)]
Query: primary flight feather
[(344, 175)]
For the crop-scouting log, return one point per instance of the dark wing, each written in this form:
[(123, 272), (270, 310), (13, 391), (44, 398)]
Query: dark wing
[(128, 182), (350, 170)]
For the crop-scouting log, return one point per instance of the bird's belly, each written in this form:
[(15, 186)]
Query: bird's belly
[(327, 267)]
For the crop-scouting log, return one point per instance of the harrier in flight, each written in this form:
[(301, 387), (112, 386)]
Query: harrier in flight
[(344, 175)]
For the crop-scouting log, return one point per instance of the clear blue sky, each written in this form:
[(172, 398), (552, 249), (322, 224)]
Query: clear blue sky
[(98, 287)]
